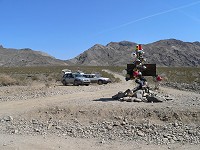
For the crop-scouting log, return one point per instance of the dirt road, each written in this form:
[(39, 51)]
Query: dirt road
[(32, 112)]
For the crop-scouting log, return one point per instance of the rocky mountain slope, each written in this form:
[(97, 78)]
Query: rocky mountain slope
[(169, 52), (26, 57)]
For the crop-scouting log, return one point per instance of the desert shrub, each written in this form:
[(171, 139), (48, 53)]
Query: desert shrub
[(50, 79), (187, 75), (34, 78), (6, 80), (108, 75), (56, 76)]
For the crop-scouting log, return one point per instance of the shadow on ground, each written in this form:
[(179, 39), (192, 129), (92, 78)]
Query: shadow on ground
[(104, 99)]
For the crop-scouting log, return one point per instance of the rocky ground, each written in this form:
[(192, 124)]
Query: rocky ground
[(86, 117)]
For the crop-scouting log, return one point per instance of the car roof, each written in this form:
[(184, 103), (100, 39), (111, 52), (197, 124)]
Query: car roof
[(65, 71), (89, 74)]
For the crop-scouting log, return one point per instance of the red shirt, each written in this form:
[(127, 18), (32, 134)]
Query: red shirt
[(135, 73), (159, 78)]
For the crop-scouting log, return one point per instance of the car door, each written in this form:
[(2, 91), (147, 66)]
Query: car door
[(70, 78), (93, 79)]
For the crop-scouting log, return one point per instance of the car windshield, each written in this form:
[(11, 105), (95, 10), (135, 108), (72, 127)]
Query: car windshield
[(78, 75)]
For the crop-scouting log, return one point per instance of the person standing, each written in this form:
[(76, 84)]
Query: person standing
[(157, 79), (141, 81)]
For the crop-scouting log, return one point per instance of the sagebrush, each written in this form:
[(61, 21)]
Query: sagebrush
[(16, 75)]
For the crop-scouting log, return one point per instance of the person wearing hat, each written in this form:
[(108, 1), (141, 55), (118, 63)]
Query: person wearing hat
[(141, 81)]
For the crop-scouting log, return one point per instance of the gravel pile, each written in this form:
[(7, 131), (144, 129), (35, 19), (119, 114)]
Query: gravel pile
[(141, 96), (118, 129)]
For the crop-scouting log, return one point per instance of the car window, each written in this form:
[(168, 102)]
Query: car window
[(78, 75), (71, 76), (68, 75), (65, 75), (88, 76), (74, 75)]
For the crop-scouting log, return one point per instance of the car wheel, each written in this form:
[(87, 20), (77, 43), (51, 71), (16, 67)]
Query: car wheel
[(76, 83), (100, 82), (64, 83)]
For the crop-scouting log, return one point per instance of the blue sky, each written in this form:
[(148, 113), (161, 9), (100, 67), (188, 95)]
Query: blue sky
[(66, 28)]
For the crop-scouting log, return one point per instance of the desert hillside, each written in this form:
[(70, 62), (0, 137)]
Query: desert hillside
[(169, 52), (26, 57)]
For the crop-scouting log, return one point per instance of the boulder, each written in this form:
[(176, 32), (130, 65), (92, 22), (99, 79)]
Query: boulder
[(137, 100), (129, 93), (8, 118), (155, 99), (139, 94), (118, 95), (129, 99)]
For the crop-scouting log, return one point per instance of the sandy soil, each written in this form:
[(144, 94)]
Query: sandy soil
[(29, 102), (19, 142)]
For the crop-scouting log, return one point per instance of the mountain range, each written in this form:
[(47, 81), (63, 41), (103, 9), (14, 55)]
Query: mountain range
[(26, 57), (169, 52)]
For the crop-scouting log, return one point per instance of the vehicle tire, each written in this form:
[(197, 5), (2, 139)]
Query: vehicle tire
[(64, 83), (76, 83), (100, 82), (87, 84)]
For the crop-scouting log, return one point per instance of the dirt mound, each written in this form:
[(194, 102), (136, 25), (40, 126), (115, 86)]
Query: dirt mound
[(160, 126)]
